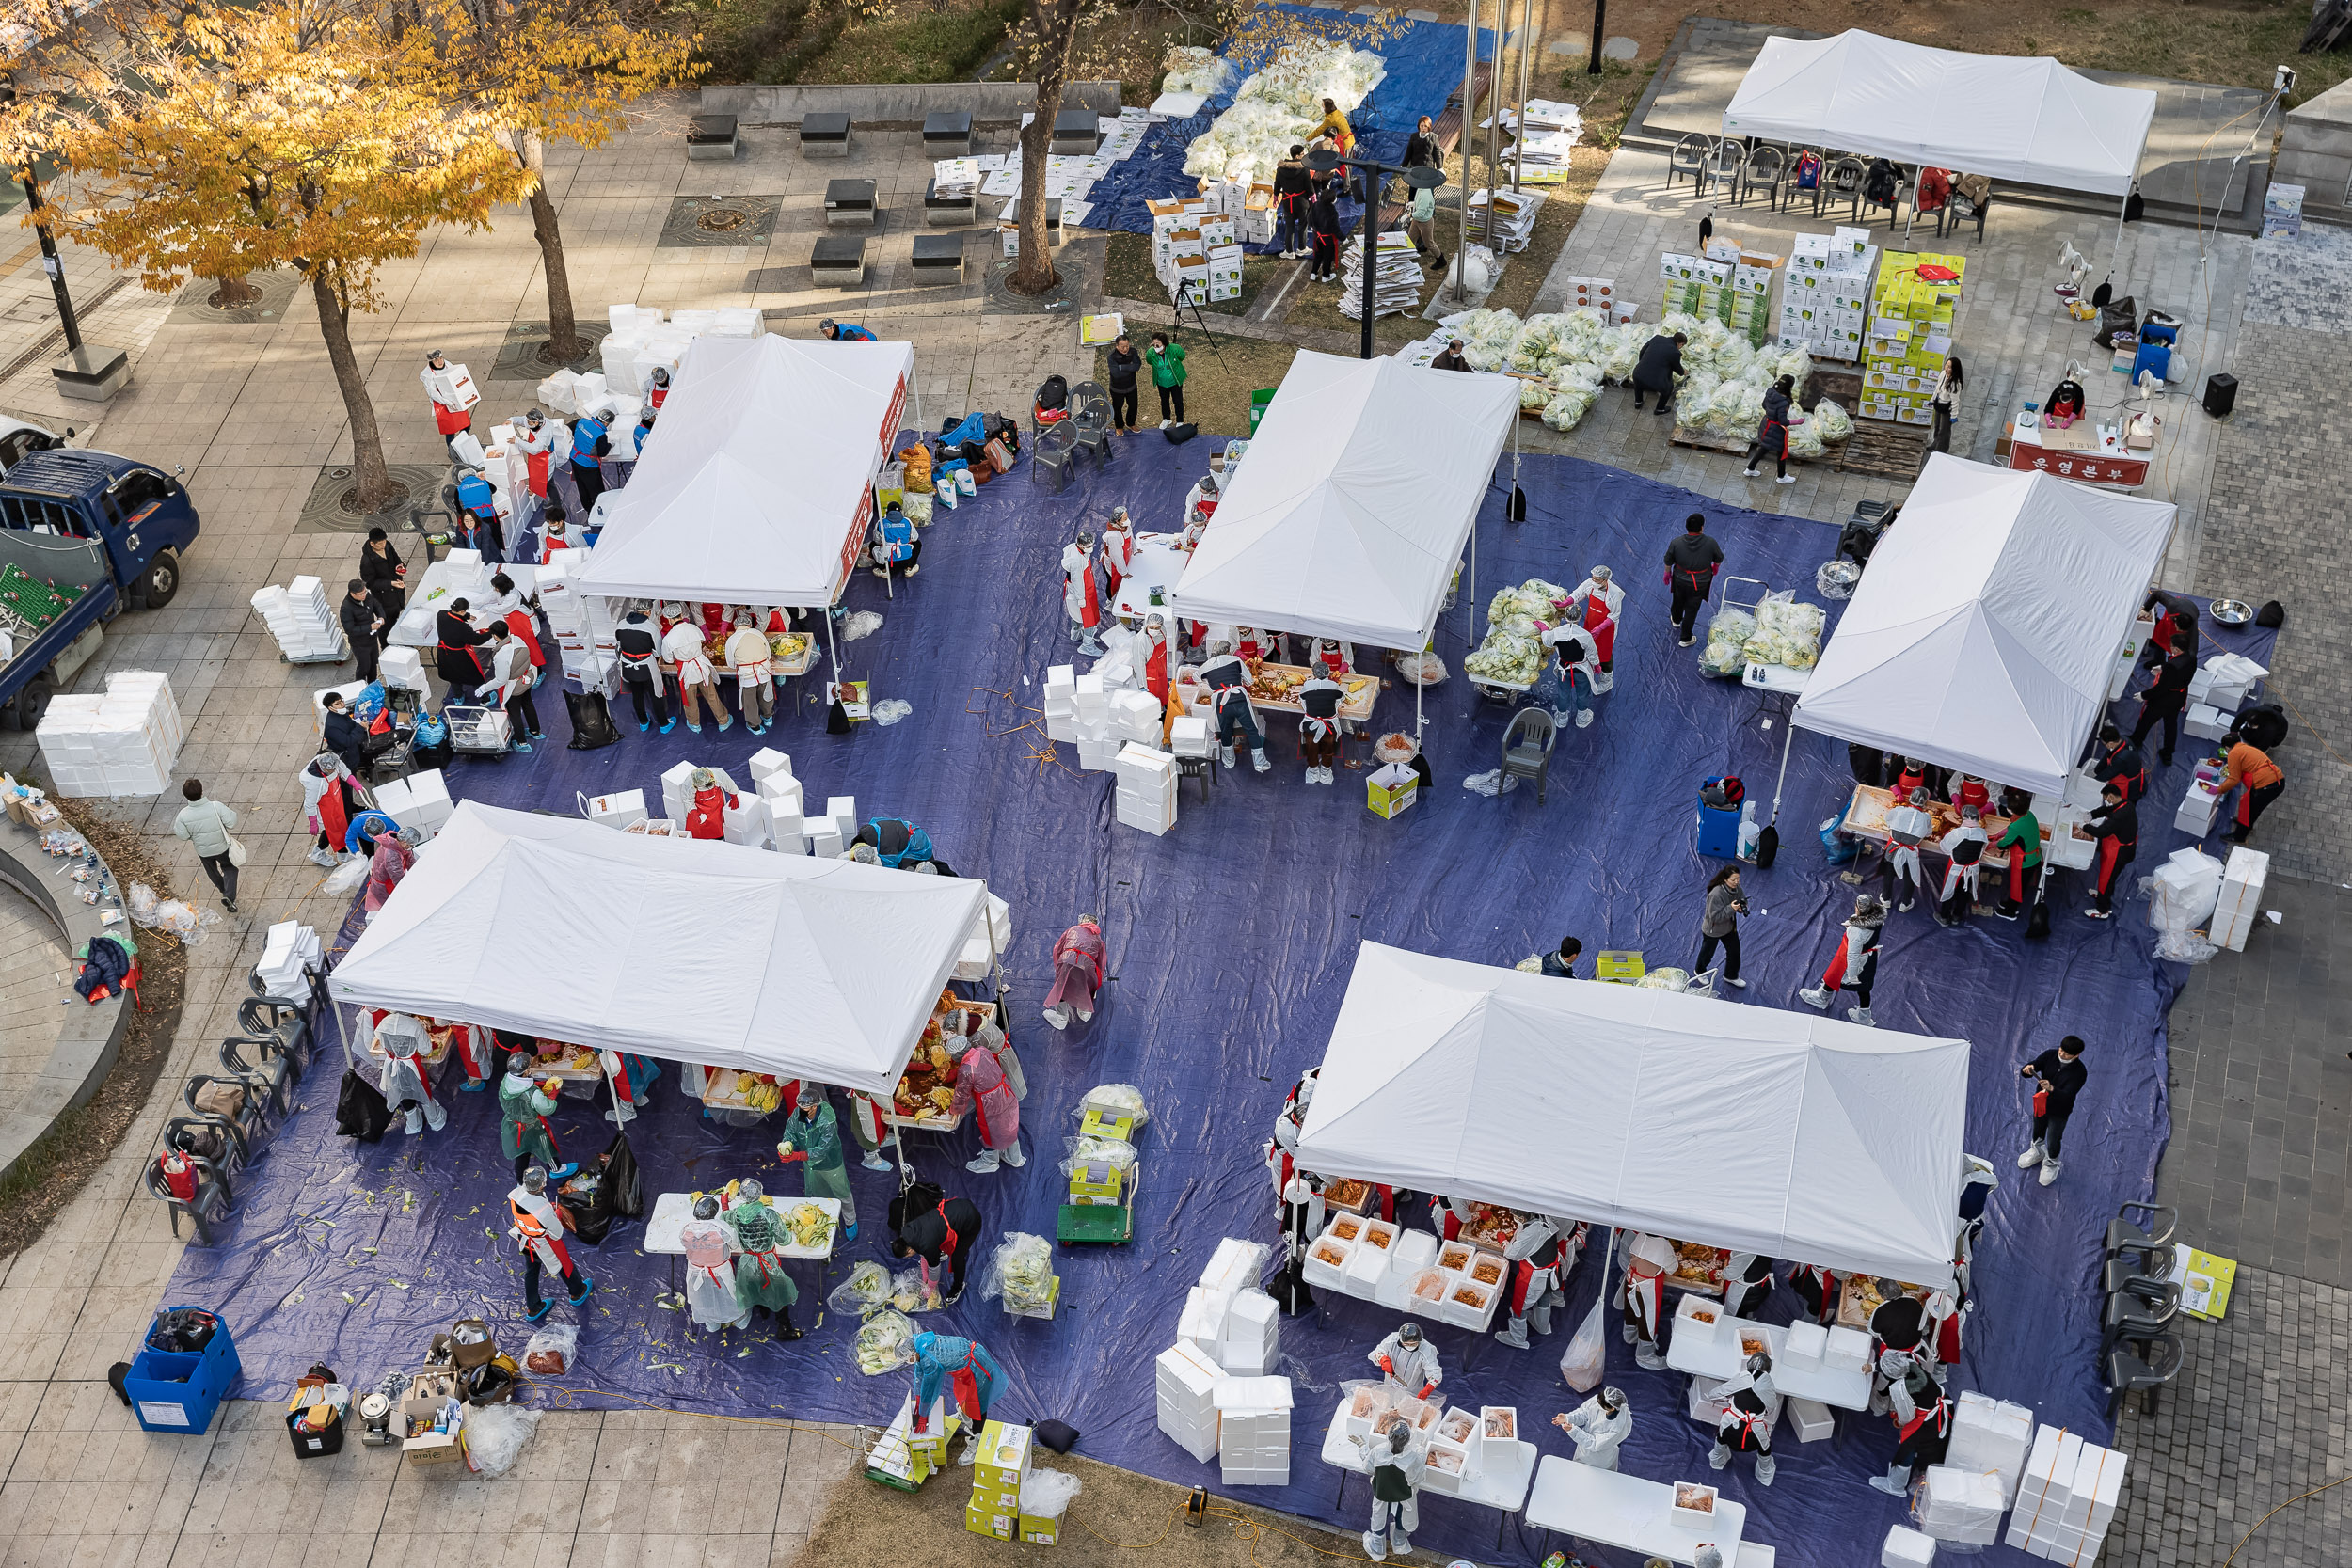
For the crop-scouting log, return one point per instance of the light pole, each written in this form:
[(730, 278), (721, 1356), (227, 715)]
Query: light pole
[(1421, 178), (91, 374)]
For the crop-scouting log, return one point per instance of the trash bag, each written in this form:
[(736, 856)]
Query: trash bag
[(621, 1178), (551, 1350), (1044, 1494), (890, 710), (587, 1197), (1586, 1360), (495, 1437), (864, 623), (1491, 783), (592, 722), (346, 877), (359, 1109)]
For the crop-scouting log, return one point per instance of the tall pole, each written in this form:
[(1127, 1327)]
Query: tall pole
[(1372, 258), (1527, 46), (1498, 80), (1601, 23), (1469, 114), (49, 262)]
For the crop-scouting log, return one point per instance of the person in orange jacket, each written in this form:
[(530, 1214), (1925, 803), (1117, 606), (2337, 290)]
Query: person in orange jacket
[(2258, 780)]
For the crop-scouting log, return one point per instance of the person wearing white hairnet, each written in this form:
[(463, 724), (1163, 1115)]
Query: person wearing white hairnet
[(1395, 1462), (1541, 1253), (710, 1270), (812, 1140), (1227, 680), (1641, 1294), (1597, 604), (1750, 1407), (402, 1077), (1599, 1427), (982, 1088), (1408, 1360)]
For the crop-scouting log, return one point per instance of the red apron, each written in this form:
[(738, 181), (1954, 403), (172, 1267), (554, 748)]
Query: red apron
[(520, 624), (1603, 626), (535, 465), (1155, 671), (449, 422)]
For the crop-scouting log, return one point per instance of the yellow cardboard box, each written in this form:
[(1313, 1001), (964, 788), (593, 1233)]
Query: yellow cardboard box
[(1096, 1182), (1098, 1124), (1038, 1531), (1391, 790), (982, 1521)]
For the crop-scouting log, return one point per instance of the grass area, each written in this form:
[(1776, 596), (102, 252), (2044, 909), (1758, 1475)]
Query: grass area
[(1219, 378), (942, 43), (2237, 44), (1127, 275)]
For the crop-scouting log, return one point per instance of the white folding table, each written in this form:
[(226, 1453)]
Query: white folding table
[(665, 1235), (1500, 1482), (1845, 1390), (1618, 1510)]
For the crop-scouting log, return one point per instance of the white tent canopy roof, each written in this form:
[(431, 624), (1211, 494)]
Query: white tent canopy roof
[(2026, 118), (1986, 630), (1354, 504), (690, 950), (1755, 1129), (757, 487)]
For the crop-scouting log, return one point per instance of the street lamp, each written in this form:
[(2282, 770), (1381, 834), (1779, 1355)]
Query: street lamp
[(1424, 176), (91, 373)]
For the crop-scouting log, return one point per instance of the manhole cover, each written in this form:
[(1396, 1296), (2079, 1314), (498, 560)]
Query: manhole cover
[(720, 220)]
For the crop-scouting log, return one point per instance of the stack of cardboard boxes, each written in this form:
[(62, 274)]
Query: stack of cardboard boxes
[(1823, 303), (2068, 1497), (905, 1458), (1593, 294), (2242, 881), (1000, 1471), (1195, 246), (1727, 286), (1908, 337), (2282, 212), (303, 622)]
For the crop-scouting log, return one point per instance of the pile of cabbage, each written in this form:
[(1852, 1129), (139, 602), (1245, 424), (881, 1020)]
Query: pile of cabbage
[(1572, 354), (1782, 632), (1279, 108), (1191, 69), (1513, 650)]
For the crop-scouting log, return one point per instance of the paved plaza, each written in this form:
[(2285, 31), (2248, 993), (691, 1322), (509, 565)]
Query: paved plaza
[(2260, 1081)]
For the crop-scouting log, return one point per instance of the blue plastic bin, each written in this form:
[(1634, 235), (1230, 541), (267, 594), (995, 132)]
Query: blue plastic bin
[(175, 1391), (1719, 830)]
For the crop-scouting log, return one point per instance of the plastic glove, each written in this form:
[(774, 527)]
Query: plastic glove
[(786, 1153), (1426, 1389), (1387, 1366)]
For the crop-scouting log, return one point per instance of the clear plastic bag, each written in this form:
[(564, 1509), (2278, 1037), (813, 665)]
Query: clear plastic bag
[(550, 1350), (1083, 1150), (886, 1343), (864, 623), (1491, 783), (1586, 1359), (890, 710), (1021, 1274), (911, 1292), (495, 1436), (866, 1289), (142, 904), (346, 877), (1116, 1100), (1044, 1494)]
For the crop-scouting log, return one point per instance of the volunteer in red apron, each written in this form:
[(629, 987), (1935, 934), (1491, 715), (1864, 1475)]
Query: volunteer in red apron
[(943, 1235), (1643, 1292), (1542, 1252), (761, 1284), (1078, 961), (450, 419), (1899, 1339), (537, 444), (454, 658), (1598, 604), (1946, 1315), (959, 1371), (1081, 596), (472, 1047), (525, 1134), (1447, 1215), (2115, 829), (707, 817), (872, 1133), (2023, 840), (710, 1270), (1745, 1425), (540, 1230), (1907, 824), (1747, 1284), (1854, 966), (1155, 658), (1280, 1164), (640, 647), (330, 797), (657, 387), (754, 663), (2258, 780), (1818, 1287), (401, 1079), (1691, 563), (1969, 790), (980, 1087), (1913, 779), (1923, 1420), (2122, 763), (1319, 725), (1333, 658), (1228, 681), (1119, 550), (1964, 849)]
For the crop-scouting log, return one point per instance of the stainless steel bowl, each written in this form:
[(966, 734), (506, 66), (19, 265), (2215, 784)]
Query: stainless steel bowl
[(2231, 612)]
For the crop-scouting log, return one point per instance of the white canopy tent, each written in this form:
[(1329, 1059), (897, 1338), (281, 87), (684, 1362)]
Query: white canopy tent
[(758, 485), (2024, 118), (1985, 632), (1353, 506), (689, 950), (1757, 1129)]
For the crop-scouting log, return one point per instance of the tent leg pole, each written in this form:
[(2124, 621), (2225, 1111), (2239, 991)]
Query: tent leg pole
[(1417, 722), (1786, 742), (1470, 117), (995, 960), (830, 648), (2115, 258)]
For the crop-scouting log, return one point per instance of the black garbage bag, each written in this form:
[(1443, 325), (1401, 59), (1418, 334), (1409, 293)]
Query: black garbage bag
[(621, 1178), (588, 1199), (359, 1109), (592, 722)]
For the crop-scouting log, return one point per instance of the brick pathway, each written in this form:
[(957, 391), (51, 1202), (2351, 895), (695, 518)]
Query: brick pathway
[(34, 975)]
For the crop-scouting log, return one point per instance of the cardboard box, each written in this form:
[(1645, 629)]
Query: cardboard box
[(1391, 790), (982, 1520)]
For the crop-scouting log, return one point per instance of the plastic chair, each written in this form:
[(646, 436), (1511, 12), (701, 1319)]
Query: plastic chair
[(1527, 750), (1090, 419), (1053, 457), (1725, 165), (1865, 208), (2122, 1273), (211, 1138), (1202, 768), (1958, 210), (1767, 169), (2138, 1312), (2151, 1240), (280, 1019), (264, 1061), (210, 1198), (251, 1120), (1841, 181), (1689, 158), (2125, 1374)]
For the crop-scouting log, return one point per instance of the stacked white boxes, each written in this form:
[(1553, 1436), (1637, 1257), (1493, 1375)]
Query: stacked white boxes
[(1187, 1381), (1961, 1506), (678, 791), (1189, 736), (780, 793), (1991, 1435), (1098, 749), (291, 946), (2225, 682), (1135, 716), (1906, 1548), (986, 943), (2242, 881), (623, 810), (582, 623), (122, 742), (1253, 1334), (419, 803), (1062, 701), (1253, 1439), (303, 622), (1827, 294), (402, 667), (841, 818), (2068, 1497), (1147, 789)]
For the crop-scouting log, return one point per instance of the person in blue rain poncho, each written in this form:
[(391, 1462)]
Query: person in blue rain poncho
[(960, 1368)]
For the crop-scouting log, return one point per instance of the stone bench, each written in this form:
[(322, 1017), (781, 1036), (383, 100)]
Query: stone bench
[(824, 135), (948, 133), (849, 201), (1077, 134), (711, 138), (948, 210), (839, 260), (938, 258)]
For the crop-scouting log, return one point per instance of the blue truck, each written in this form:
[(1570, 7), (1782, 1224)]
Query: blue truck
[(84, 535)]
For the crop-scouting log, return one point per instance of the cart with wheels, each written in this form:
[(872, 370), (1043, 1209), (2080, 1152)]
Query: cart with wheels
[(1100, 1224), (477, 731)]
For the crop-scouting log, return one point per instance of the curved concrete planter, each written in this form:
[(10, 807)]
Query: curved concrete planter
[(91, 1037)]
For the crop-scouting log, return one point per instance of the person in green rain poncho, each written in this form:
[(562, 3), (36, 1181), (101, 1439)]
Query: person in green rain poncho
[(812, 1134), (524, 1136), (760, 1282)]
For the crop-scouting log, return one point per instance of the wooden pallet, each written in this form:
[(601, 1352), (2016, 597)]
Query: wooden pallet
[(1884, 451)]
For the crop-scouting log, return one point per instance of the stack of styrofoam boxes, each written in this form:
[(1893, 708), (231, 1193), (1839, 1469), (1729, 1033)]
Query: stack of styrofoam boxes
[(1188, 735), (303, 622), (678, 791), (1188, 1378), (638, 343), (836, 830), (985, 945), (1991, 1437), (1906, 1548), (419, 802), (1823, 302), (2068, 1497), (291, 946), (2242, 881), (780, 792), (1247, 1339), (403, 668), (1594, 294), (1804, 1349), (1146, 789), (1000, 1466), (582, 623), (1961, 1506), (1201, 1323), (2216, 692), (1253, 1431), (623, 810), (1062, 701), (1135, 716), (1457, 1449), (2201, 799), (120, 743), (1098, 748)]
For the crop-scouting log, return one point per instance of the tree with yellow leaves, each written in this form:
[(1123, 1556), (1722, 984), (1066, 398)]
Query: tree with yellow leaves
[(210, 140), (544, 70)]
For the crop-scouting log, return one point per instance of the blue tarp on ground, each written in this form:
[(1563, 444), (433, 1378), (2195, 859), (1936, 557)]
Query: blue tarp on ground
[(1424, 65), (1231, 941)]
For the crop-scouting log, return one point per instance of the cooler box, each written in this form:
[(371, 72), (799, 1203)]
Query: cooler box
[(1719, 831), (177, 1391)]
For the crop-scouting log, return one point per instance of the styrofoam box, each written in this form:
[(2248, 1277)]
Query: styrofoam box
[(1811, 1420), (1849, 1349), (618, 810), (1688, 1325), (2205, 721), (2196, 813), (823, 841), (678, 788), (768, 763), (1057, 727), (841, 811), (781, 792), (1906, 1547), (1319, 1272), (2099, 1483), (1805, 1345)]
